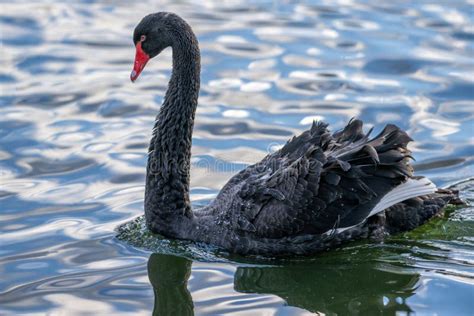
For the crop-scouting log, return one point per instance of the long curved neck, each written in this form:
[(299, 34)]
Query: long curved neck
[(167, 181)]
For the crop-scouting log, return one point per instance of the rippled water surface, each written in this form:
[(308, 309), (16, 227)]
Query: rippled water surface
[(74, 133)]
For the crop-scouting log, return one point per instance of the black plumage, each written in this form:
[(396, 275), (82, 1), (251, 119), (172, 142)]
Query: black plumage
[(314, 193)]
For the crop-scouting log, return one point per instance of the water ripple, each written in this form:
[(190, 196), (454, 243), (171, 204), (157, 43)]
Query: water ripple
[(74, 135)]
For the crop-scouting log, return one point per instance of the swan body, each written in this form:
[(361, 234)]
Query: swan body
[(319, 190)]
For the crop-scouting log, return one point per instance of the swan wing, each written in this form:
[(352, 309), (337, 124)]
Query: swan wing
[(281, 197), (273, 202), (360, 172), (318, 181)]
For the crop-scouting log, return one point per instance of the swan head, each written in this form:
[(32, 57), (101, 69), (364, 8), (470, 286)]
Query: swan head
[(152, 35)]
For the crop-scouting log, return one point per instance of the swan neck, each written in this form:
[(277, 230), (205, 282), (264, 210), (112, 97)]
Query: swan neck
[(168, 170)]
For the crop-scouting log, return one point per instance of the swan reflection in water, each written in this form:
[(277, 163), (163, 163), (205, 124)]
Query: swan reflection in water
[(349, 288)]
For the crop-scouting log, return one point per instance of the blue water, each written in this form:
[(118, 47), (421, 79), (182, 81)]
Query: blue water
[(74, 133)]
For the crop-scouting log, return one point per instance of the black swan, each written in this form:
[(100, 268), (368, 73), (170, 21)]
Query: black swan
[(316, 192)]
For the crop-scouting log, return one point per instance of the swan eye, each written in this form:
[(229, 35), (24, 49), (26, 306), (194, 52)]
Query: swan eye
[(142, 38)]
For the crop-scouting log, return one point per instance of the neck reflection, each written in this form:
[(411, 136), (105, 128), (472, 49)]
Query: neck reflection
[(169, 277)]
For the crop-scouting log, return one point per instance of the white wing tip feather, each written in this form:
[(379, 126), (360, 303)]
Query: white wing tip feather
[(411, 188), (407, 190)]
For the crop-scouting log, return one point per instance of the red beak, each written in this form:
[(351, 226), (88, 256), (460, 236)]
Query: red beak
[(141, 58)]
